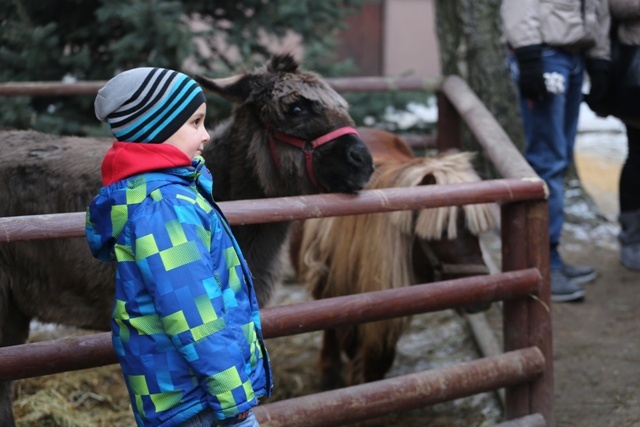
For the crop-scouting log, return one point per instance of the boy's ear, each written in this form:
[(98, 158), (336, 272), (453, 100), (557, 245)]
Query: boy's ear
[(235, 88)]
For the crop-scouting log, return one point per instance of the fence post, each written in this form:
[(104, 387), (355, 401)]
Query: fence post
[(540, 331), (525, 225), (514, 313), (448, 125)]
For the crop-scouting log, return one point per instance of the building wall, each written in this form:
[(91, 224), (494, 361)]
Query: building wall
[(410, 39), (392, 38), (363, 40), (387, 38)]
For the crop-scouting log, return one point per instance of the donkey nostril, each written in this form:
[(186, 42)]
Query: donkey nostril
[(357, 157)]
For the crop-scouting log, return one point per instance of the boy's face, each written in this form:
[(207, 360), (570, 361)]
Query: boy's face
[(192, 136)]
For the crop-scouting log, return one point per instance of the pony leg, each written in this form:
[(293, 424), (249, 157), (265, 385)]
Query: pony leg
[(330, 361), (376, 366), (370, 364), (14, 330)]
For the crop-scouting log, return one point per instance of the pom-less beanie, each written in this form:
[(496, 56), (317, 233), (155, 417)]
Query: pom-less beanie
[(147, 104)]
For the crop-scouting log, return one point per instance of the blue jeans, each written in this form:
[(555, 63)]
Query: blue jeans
[(207, 419), (550, 128)]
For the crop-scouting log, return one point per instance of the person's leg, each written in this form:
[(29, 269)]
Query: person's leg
[(579, 274), (630, 174), (548, 148), (249, 421), (207, 418), (548, 151), (630, 203)]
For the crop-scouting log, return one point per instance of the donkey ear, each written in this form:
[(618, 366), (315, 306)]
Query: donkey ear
[(235, 88), (284, 63)]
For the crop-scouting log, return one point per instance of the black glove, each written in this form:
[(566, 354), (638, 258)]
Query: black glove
[(531, 81), (599, 75)]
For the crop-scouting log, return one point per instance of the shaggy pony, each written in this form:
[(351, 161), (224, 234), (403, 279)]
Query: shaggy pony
[(363, 253)]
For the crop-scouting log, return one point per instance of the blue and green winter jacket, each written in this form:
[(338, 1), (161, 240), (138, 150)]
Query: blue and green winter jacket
[(186, 325)]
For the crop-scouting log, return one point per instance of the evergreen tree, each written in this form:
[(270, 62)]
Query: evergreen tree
[(93, 40)]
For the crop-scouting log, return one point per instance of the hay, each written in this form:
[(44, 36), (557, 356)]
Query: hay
[(95, 397)]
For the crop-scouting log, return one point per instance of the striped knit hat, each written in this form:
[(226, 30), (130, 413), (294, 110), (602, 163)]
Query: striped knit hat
[(147, 104)]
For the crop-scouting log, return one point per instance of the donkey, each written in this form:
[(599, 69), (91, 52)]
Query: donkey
[(339, 256), (289, 134)]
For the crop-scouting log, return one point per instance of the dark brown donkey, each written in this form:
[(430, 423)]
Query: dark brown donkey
[(289, 134)]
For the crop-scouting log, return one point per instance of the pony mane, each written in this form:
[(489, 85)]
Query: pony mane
[(339, 257), (332, 241), (435, 223)]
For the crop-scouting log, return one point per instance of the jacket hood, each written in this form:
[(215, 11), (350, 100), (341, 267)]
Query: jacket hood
[(110, 210), (125, 159)]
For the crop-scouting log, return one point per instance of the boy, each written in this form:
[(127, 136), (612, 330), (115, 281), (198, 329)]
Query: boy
[(185, 324)]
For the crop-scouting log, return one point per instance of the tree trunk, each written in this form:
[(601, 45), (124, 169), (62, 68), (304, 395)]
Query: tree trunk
[(471, 46)]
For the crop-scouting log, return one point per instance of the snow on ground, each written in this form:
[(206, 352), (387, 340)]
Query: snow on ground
[(601, 136)]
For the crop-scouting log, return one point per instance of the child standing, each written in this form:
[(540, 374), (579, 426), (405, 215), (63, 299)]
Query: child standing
[(185, 323)]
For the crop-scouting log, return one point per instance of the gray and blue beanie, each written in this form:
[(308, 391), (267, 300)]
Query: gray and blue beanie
[(147, 104)]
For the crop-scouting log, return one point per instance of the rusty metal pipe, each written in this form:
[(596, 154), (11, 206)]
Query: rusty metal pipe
[(376, 399), (346, 84), (86, 351), (50, 88), (331, 312), (36, 227), (490, 135)]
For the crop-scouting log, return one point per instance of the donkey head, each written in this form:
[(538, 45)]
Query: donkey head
[(300, 133)]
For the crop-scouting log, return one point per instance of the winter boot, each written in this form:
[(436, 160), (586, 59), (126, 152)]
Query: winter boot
[(579, 273), (563, 289), (630, 239)]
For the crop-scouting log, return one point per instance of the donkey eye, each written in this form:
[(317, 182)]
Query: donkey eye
[(297, 109)]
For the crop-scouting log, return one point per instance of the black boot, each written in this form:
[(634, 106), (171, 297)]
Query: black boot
[(630, 239)]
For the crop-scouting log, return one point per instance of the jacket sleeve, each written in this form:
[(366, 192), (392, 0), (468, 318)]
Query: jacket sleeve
[(625, 9), (602, 49), (521, 22), (188, 282)]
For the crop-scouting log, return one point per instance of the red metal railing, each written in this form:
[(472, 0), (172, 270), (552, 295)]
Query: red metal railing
[(526, 367)]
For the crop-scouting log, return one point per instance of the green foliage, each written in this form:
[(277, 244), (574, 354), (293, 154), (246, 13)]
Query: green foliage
[(93, 40)]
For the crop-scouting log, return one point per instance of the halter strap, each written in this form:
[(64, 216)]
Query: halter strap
[(307, 147)]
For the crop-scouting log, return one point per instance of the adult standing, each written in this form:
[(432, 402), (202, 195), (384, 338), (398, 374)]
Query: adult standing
[(623, 101), (551, 44)]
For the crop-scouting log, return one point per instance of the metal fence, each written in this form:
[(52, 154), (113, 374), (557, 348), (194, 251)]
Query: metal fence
[(524, 369)]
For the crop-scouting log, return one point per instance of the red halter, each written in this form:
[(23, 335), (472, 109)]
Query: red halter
[(308, 147)]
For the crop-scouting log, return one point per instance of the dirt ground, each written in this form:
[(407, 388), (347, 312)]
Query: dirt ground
[(597, 341), (597, 345)]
